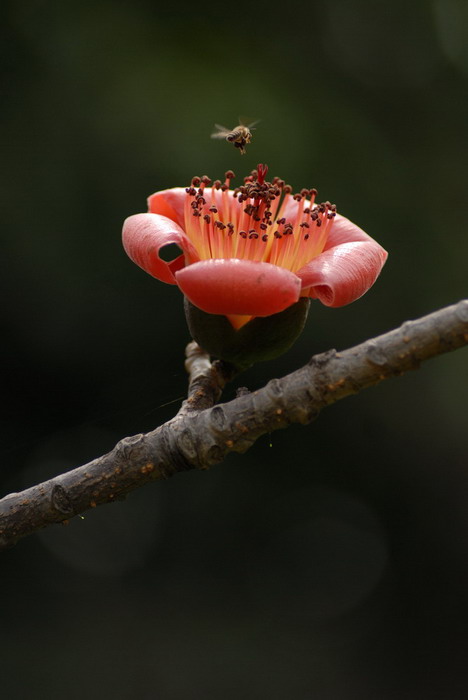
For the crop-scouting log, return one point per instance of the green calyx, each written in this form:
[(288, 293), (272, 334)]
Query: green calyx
[(262, 338)]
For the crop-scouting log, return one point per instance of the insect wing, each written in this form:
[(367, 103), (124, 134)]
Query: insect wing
[(221, 132), (244, 121)]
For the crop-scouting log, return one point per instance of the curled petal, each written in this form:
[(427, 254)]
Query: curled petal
[(169, 203), (344, 231), (143, 237), (243, 287), (344, 272)]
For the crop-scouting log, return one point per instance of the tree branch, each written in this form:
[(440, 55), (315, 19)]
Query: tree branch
[(202, 433)]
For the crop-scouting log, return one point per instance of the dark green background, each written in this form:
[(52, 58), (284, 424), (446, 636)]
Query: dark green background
[(333, 563)]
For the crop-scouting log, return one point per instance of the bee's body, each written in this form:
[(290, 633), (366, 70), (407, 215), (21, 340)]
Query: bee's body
[(240, 136)]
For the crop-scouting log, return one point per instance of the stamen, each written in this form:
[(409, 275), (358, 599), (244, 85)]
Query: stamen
[(250, 222)]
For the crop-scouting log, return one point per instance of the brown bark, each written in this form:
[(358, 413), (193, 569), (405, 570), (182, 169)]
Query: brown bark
[(202, 433)]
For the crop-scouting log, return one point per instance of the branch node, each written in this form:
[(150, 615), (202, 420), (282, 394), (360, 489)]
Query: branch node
[(127, 447), (218, 418), (60, 500), (319, 361), (376, 354)]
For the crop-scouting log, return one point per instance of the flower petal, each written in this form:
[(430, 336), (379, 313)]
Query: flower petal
[(235, 286), (169, 203), (344, 231), (343, 273), (143, 237)]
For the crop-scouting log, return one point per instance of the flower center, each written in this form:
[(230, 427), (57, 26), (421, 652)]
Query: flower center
[(261, 221)]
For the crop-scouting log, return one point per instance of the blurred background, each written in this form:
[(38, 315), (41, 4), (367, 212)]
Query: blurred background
[(332, 561)]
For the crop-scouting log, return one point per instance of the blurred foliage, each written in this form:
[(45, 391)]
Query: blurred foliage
[(331, 563)]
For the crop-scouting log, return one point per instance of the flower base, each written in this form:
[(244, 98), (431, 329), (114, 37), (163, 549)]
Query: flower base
[(262, 338)]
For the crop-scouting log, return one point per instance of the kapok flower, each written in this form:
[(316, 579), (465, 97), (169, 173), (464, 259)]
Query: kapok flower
[(253, 251)]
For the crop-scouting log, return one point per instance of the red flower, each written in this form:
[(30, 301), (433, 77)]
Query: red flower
[(253, 251)]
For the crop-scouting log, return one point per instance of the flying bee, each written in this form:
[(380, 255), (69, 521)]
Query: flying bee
[(240, 135)]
